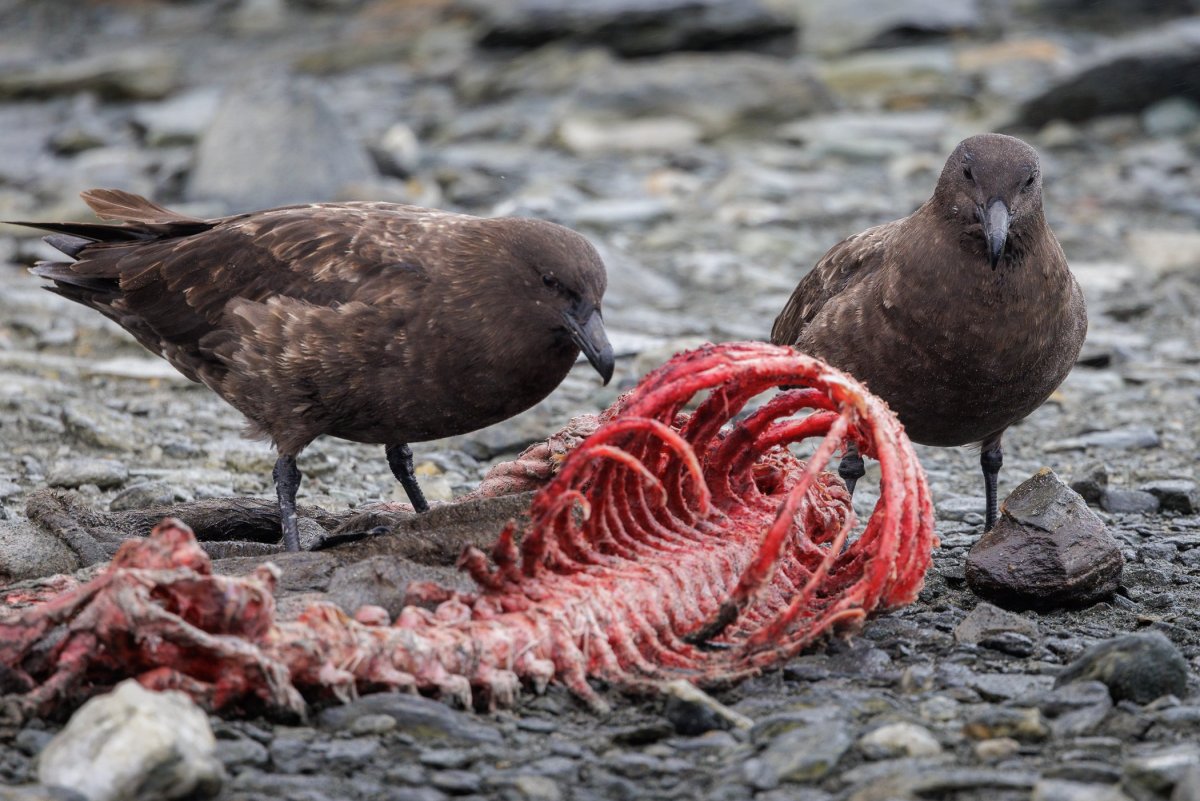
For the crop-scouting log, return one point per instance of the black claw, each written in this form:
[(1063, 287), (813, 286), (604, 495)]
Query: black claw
[(400, 459), (287, 482)]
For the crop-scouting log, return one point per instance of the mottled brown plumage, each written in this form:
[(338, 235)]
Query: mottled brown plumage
[(963, 316), (372, 322)]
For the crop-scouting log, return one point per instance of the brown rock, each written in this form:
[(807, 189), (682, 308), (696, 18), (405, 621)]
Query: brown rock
[(1048, 550)]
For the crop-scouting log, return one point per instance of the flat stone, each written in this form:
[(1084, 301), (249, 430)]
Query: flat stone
[(134, 744), (1138, 667), (1047, 550), (1122, 439), (72, 473), (1120, 501)]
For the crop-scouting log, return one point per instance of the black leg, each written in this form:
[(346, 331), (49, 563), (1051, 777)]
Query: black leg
[(851, 468), (990, 459), (287, 481), (400, 459)]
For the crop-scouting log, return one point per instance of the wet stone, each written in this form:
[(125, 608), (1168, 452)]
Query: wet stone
[(1137, 667), (1047, 550)]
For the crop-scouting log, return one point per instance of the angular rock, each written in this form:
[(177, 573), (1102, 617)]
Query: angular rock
[(1092, 482), (839, 26), (1048, 550), (1175, 494), (986, 621), (1136, 667), (274, 144), (634, 27), (1126, 77), (133, 745)]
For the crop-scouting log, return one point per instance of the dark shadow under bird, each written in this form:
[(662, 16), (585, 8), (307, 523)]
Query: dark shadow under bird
[(373, 322), (963, 316)]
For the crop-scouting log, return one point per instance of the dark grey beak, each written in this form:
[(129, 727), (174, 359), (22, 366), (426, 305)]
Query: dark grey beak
[(587, 331), (995, 229)]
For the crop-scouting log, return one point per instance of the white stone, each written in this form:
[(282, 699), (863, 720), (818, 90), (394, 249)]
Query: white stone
[(899, 740), (134, 745)]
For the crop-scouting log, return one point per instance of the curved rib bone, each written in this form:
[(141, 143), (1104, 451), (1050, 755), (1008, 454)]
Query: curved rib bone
[(668, 546)]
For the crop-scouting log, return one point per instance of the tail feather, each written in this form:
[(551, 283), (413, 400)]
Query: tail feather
[(117, 204), (61, 273), (70, 245)]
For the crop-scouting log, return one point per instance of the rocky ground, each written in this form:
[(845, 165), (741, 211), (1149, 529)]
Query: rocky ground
[(712, 150)]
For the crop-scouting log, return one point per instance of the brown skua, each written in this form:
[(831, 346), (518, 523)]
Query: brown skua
[(373, 322), (963, 316)]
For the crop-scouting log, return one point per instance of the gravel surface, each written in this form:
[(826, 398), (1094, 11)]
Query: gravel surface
[(712, 150)]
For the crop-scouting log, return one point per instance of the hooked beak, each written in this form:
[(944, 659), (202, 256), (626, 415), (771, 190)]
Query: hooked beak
[(995, 229), (587, 331)]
